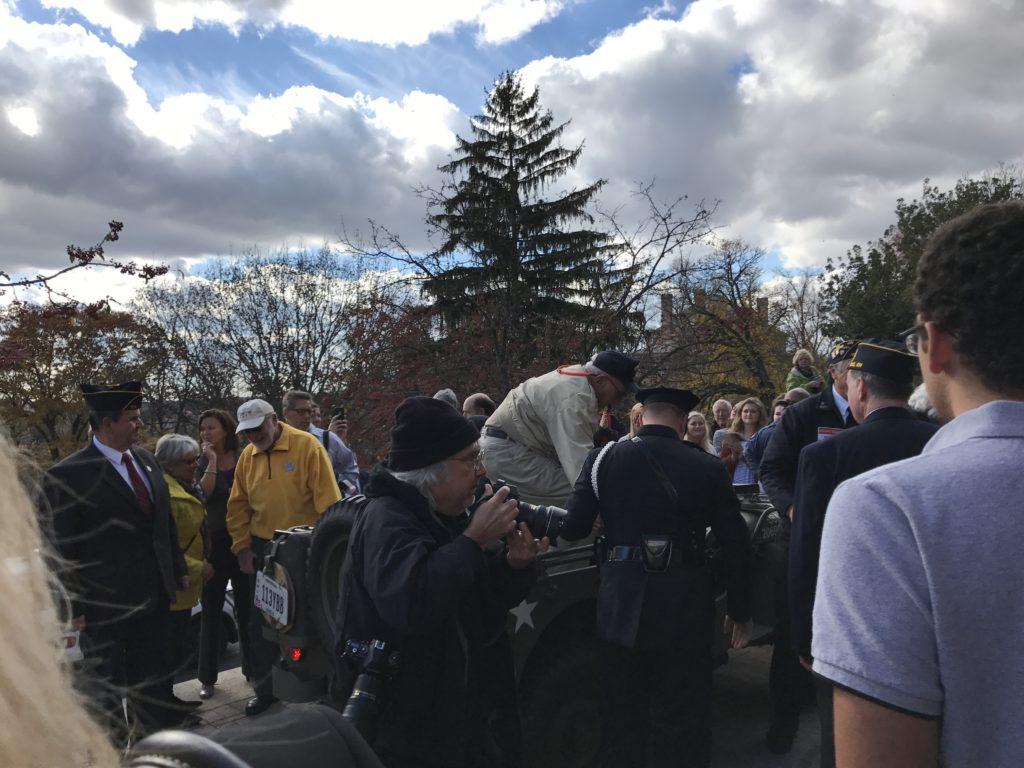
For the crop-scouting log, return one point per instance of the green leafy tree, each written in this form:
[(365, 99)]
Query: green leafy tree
[(869, 292)]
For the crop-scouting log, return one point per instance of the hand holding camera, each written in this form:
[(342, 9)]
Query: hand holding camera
[(493, 518)]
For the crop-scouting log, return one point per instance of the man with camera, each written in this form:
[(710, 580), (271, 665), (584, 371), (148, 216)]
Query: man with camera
[(657, 495), (434, 584)]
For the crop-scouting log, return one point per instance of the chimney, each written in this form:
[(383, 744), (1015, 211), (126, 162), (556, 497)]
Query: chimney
[(666, 310)]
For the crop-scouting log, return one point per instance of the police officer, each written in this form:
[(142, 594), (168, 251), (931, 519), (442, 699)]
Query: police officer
[(880, 381), (656, 496), (817, 418)]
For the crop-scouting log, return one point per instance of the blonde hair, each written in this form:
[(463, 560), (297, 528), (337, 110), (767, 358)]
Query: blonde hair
[(706, 443), (634, 419), (43, 721), (801, 353), (737, 423)]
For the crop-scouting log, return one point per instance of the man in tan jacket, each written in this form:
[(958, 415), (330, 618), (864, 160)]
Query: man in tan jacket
[(541, 433)]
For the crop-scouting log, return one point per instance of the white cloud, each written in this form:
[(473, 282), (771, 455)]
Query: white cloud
[(509, 19), (806, 120), (386, 22), (194, 174), (24, 119)]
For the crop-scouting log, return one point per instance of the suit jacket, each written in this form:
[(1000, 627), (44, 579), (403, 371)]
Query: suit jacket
[(120, 558), (673, 609), (887, 435), (803, 423)]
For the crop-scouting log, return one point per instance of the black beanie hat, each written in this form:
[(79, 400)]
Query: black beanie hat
[(427, 431)]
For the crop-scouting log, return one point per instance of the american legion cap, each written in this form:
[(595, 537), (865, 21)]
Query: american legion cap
[(887, 359)]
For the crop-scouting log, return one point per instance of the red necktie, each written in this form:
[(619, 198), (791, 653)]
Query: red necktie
[(140, 487)]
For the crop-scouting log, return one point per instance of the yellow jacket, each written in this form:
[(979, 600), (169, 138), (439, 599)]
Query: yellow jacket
[(188, 514), (291, 485)]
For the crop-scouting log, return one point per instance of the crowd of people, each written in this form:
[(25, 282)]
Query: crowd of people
[(895, 600)]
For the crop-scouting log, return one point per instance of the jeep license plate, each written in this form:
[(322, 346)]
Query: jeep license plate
[(271, 598)]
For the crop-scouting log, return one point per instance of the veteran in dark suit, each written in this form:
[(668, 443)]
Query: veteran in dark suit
[(814, 419), (657, 495), (108, 512), (880, 382)]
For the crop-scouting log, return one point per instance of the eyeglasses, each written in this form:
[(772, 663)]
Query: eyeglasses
[(476, 461), (912, 340)]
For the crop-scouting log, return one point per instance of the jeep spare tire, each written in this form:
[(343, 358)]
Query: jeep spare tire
[(327, 550)]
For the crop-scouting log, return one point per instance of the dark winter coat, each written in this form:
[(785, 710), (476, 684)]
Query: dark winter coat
[(887, 435), (414, 581), (812, 419)]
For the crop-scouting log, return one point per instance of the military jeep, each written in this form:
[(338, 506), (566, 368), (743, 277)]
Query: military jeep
[(552, 630)]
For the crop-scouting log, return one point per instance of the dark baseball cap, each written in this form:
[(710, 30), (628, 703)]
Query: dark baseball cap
[(619, 366)]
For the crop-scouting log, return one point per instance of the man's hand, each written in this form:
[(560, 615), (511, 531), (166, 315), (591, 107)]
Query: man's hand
[(493, 518), (740, 632), (606, 419), (207, 572), (245, 561), (523, 548), (183, 582), (339, 426)]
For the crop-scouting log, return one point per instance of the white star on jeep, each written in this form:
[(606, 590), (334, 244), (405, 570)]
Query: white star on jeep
[(524, 614)]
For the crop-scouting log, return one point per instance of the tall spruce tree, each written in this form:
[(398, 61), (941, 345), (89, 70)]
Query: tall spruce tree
[(519, 267)]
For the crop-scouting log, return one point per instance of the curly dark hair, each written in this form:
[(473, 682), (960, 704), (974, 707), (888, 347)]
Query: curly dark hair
[(968, 283)]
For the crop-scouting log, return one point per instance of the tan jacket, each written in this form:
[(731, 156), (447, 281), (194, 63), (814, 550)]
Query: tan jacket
[(554, 415)]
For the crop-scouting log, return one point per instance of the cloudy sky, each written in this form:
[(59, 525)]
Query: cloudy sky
[(208, 126)]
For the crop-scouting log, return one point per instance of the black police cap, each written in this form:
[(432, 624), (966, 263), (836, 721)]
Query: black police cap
[(888, 359), (683, 399), (616, 364), (112, 398)]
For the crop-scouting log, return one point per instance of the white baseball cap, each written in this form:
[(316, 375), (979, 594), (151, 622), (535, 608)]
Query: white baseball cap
[(252, 413)]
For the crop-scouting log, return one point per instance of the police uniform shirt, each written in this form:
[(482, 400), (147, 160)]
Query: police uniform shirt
[(632, 503)]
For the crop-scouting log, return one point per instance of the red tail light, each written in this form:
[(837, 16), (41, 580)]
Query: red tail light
[(295, 654)]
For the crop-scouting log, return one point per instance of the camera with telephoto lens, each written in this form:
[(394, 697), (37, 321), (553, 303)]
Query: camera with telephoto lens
[(377, 668), (542, 521)]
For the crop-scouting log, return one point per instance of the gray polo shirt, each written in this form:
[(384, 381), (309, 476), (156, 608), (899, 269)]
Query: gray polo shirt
[(920, 598)]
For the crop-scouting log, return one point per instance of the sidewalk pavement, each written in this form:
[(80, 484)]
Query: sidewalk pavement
[(228, 702)]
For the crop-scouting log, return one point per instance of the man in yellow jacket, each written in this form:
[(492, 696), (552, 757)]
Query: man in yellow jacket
[(283, 478)]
